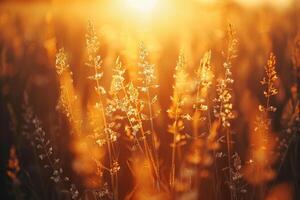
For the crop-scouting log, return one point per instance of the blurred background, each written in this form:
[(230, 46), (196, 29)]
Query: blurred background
[(32, 31)]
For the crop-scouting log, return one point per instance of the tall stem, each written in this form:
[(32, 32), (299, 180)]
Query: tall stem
[(228, 139), (173, 163), (108, 141), (154, 145)]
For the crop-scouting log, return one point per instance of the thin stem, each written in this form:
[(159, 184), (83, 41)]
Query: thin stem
[(110, 157), (228, 139), (155, 159), (146, 145), (173, 164), (153, 138)]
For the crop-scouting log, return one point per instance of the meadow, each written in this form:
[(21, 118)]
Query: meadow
[(148, 99)]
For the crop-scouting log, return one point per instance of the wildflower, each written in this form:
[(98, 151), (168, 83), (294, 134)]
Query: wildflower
[(103, 134), (198, 152), (74, 192), (204, 73), (223, 110), (204, 77), (92, 44), (269, 82), (61, 62), (68, 102), (175, 112), (262, 154), (146, 69), (45, 149), (117, 78), (115, 167)]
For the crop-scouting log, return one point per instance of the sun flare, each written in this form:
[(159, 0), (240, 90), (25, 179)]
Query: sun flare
[(142, 6)]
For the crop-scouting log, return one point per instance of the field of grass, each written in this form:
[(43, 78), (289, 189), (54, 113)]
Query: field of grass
[(148, 99)]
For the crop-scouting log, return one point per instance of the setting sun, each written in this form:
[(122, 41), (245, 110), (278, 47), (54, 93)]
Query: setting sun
[(142, 6)]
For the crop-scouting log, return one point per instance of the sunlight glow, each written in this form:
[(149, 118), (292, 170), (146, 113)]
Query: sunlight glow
[(143, 6)]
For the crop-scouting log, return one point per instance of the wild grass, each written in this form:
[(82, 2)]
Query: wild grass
[(200, 134)]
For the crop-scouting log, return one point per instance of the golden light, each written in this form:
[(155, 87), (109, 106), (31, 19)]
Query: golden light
[(142, 6)]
